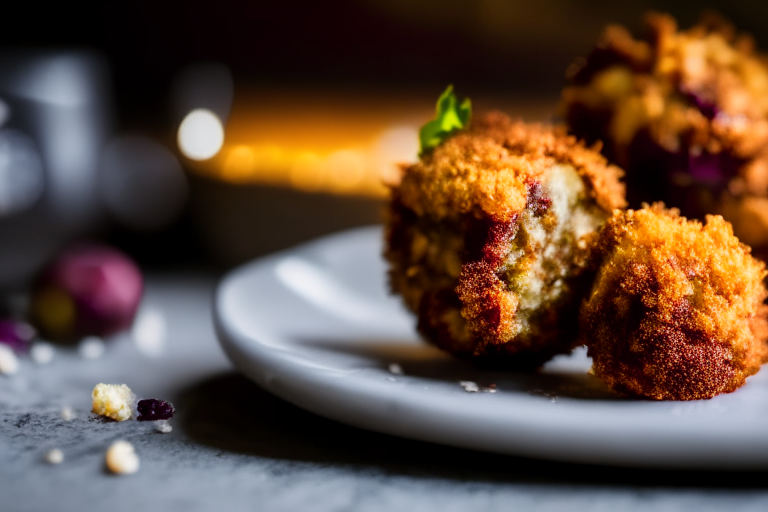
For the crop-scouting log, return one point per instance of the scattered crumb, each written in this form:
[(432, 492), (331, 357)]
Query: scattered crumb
[(67, 413), (396, 369), (54, 456), (472, 387), (91, 347), (113, 401), (121, 458), (391, 379), (9, 364), (548, 394), (163, 426), (42, 352)]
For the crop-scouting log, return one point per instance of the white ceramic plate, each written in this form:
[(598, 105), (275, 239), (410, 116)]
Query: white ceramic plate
[(316, 327)]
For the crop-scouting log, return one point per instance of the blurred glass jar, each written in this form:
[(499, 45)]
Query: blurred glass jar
[(55, 117)]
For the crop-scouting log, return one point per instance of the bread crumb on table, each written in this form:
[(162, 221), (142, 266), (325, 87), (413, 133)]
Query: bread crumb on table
[(121, 458), (113, 401), (9, 364), (42, 352), (163, 427), (54, 456), (91, 347)]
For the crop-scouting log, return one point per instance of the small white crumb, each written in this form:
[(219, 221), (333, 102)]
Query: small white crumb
[(91, 347), (121, 458), (391, 379), (42, 352), (472, 387), (67, 413), (150, 332), (54, 456), (9, 364), (113, 401), (396, 369), (163, 426)]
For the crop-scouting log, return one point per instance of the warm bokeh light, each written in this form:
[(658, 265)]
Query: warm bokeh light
[(201, 135), (346, 143)]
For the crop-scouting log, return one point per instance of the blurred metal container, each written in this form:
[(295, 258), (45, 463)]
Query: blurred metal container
[(55, 117)]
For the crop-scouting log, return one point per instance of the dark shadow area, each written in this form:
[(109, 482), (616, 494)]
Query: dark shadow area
[(422, 360), (232, 414)]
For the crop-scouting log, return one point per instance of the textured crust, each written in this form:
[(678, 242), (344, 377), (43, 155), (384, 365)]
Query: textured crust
[(685, 113), (484, 170), (451, 225), (676, 312)]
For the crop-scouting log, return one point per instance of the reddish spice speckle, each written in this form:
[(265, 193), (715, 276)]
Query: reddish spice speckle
[(537, 201)]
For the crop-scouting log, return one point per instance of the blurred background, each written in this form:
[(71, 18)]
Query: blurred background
[(203, 134)]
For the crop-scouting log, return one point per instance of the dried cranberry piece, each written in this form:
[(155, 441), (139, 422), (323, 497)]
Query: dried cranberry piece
[(152, 409)]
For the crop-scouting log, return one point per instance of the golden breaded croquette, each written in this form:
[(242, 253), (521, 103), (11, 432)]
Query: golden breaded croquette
[(488, 236), (676, 311), (685, 114)]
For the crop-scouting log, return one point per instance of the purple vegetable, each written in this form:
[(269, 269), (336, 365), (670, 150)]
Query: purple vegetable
[(537, 201), (706, 107), (87, 290), (16, 335), (152, 409)]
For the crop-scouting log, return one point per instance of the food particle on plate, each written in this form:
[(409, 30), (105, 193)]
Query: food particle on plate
[(473, 387), (396, 369), (54, 456), (151, 409), (487, 238), (121, 458), (9, 364), (113, 401), (685, 113), (676, 311)]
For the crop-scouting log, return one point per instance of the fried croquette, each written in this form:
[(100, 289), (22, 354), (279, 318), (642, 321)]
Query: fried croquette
[(676, 311), (488, 236), (685, 114)]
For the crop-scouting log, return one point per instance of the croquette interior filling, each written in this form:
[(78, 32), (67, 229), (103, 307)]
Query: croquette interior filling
[(543, 248)]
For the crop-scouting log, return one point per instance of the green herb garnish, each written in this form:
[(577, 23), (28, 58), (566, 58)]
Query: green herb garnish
[(449, 118)]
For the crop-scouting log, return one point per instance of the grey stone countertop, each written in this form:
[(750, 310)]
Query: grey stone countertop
[(235, 447)]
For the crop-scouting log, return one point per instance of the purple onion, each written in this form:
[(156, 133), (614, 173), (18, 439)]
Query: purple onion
[(707, 108), (17, 335), (87, 290)]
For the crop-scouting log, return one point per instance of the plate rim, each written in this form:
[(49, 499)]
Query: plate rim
[(258, 360)]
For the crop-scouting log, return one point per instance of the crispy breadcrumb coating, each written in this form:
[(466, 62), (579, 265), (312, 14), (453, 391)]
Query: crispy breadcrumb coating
[(676, 311), (685, 113), (487, 238)]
